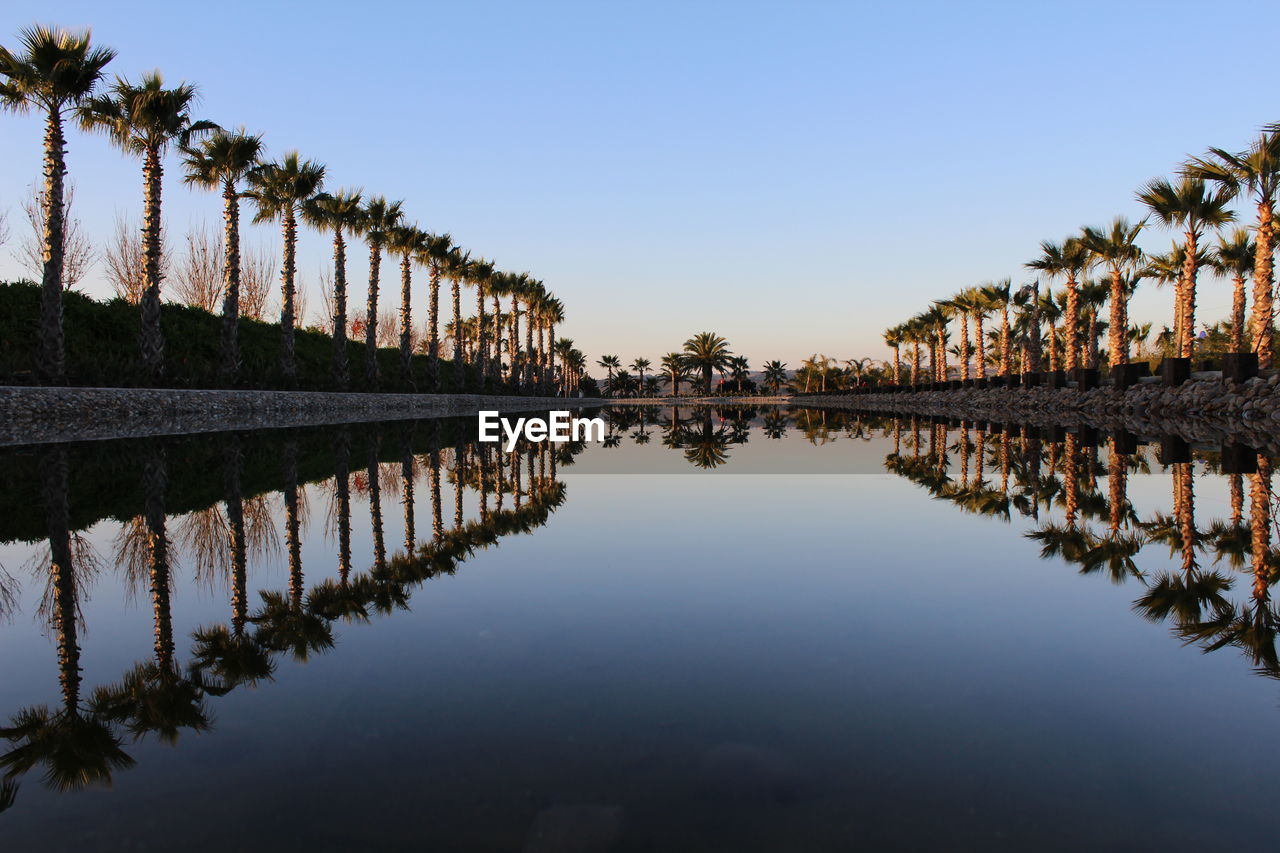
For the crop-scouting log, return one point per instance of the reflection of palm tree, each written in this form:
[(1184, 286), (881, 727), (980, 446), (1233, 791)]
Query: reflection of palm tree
[(284, 623), (223, 657), (154, 696), (706, 447), (76, 746)]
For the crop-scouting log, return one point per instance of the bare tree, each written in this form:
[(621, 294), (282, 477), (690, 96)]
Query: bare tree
[(325, 321), (78, 252), (257, 280), (388, 331), (4, 227), (125, 267), (199, 279)]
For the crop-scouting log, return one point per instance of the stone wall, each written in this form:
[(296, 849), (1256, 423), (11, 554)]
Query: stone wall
[(38, 415), (1204, 411)]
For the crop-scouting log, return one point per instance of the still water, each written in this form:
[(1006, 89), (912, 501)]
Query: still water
[(718, 630)]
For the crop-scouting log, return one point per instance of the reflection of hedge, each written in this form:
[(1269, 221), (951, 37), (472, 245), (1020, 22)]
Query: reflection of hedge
[(102, 347), (106, 475)]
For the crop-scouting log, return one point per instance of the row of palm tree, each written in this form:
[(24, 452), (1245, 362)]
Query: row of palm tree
[(701, 356), (1197, 204), (83, 742), (57, 73), (1056, 481)]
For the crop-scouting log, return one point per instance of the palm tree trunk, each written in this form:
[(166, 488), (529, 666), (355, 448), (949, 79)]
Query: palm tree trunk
[(1263, 333), (1095, 337), (155, 480), (375, 506), (1260, 525), (288, 365), (292, 532), (232, 461), (437, 511), (433, 330), (964, 345), (1072, 324), (495, 363), (230, 282), (458, 371), (1005, 354), (371, 317), (342, 496), (54, 472), (915, 362), (51, 363), (528, 347), (1188, 300), (151, 339), (406, 321), (482, 338), (1117, 332), (406, 488), (1237, 315), (981, 347), (339, 369)]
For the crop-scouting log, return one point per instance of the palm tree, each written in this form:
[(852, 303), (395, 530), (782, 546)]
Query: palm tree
[(707, 352), (456, 270), (1255, 171), (893, 339), (278, 190), (531, 294), (341, 213), (1069, 259), (1192, 207), (55, 71), (479, 273), (1116, 250), (610, 363), (552, 316), (377, 217), (673, 365), (1093, 296), (640, 365), (221, 161), (915, 334), (936, 319), (409, 242), (435, 256), (775, 374), (145, 119), (1235, 256), (996, 296)]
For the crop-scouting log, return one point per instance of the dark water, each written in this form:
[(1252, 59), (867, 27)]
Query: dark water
[(748, 631)]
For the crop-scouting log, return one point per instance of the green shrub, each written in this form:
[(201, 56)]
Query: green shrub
[(102, 349)]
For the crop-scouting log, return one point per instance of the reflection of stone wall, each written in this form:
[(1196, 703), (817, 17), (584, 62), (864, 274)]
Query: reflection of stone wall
[(1205, 411), (36, 415)]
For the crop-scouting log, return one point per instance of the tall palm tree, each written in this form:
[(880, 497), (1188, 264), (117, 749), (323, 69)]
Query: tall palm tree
[(278, 190), (378, 216), (610, 363), (675, 369), (409, 242), (479, 274), (435, 255), (640, 365), (456, 270), (1068, 259), (1235, 256), (552, 316), (1191, 206), (1114, 248), (1256, 171), (775, 374), (997, 296), (893, 339), (145, 119), (707, 352), (221, 161), (54, 71), (341, 213), (1093, 296), (532, 294)]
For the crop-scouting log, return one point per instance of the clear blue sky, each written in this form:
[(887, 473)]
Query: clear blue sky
[(794, 176)]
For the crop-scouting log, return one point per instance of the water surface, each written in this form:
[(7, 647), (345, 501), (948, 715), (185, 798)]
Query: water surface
[(718, 630)]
